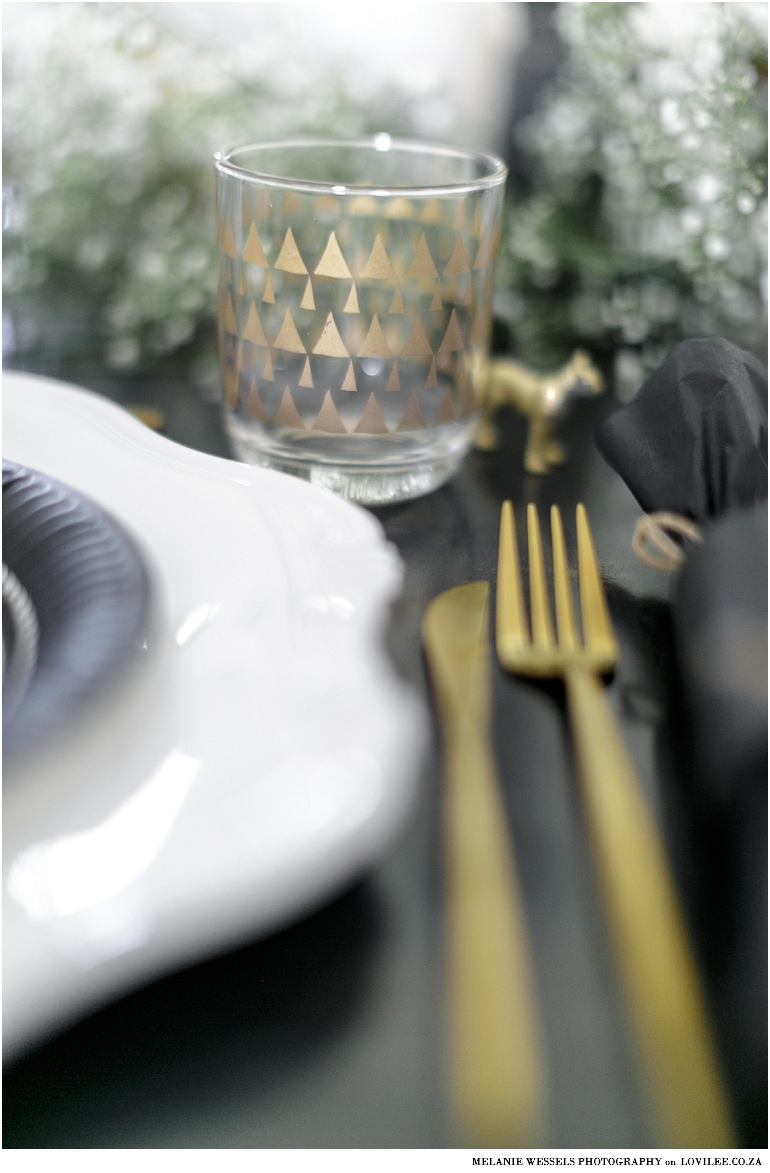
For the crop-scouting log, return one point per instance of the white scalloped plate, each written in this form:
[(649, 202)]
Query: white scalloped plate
[(259, 755)]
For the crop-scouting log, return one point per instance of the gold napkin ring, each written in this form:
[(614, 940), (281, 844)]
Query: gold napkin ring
[(654, 547)]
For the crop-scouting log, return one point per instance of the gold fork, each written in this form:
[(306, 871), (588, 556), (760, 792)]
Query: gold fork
[(656, 967)]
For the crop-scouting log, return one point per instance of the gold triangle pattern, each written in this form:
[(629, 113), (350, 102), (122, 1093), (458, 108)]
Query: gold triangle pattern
[(399, 209), (422, 262), (417, 344), (287, 413), (437, 303), (332, 263), (476, 229), (458, 261), (306, 378), (264, 205), (378, 267), (308, 301), (289, 259), (288, 337), (230, 379), (371, 421), (254, 404), (351, 305), (488, 286), (254, 252), (432, 379), (267, 374), (431, 213), (291, 203), (326, 205), (254, 332), (484, 255), (412, 417), (228, 318), (375, 344), (228, 241), (363, 206), (350, 379), (269, 294), (453, 339), (458, 220), (478, 332), (468, 299), (446, 413), (330, 342), (328, 417), (393, 383), (240, 285), (397, 305), (461, 371), (349, 382)]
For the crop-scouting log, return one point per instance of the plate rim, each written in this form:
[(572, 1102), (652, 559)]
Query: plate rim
[(370, 841)]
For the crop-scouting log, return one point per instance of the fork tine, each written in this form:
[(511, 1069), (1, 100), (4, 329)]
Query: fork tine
[(597, 628), (565, 614), (511, 617), (542, 627)]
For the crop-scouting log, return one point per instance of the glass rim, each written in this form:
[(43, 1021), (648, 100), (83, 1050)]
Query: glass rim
[(381, 143)]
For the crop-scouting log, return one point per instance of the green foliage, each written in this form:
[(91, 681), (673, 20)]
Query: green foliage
[(647, 222), (112, 116)]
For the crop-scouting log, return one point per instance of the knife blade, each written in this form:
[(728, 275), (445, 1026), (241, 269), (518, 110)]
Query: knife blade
[(496, 1067)]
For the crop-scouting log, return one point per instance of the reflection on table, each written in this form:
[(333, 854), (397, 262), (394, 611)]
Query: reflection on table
[(329, 1033)]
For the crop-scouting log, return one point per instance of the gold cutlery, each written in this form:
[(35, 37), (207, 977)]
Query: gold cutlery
[(496, 1068), (656, 968)]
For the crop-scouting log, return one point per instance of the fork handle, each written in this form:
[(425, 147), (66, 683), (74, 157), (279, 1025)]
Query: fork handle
[(657, 969)]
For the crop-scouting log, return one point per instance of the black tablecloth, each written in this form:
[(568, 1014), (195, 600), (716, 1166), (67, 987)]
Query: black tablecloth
[(328, 1034)]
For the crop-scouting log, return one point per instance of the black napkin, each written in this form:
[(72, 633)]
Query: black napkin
[(720, 627), (720, 622), (694, 440)]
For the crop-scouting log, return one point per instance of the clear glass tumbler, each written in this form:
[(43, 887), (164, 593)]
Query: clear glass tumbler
[(355, 302)]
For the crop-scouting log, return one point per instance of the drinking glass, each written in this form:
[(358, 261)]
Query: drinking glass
[(355, 302)]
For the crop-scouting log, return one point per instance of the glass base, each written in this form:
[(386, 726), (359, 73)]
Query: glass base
[(370, 470)]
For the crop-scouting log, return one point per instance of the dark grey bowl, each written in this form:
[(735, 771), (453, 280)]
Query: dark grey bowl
[(89, 593)]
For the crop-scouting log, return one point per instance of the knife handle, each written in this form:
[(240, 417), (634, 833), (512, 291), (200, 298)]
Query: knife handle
[(496, 1064)]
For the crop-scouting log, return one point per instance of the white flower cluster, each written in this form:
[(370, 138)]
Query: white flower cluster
[(650, 215), (112, 113)]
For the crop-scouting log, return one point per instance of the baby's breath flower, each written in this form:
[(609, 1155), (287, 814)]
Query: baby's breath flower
[(650, 202), (112, 113)]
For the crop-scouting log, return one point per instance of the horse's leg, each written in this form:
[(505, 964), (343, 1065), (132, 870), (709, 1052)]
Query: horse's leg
[(538, 442), (556, 453)]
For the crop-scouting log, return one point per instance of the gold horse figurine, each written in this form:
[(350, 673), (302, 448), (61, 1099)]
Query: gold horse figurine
[(541, 398)]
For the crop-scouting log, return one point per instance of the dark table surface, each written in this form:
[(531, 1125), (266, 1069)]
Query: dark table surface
[(329, 1033)]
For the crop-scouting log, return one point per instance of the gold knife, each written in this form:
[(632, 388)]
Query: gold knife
[(496, 1065)]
